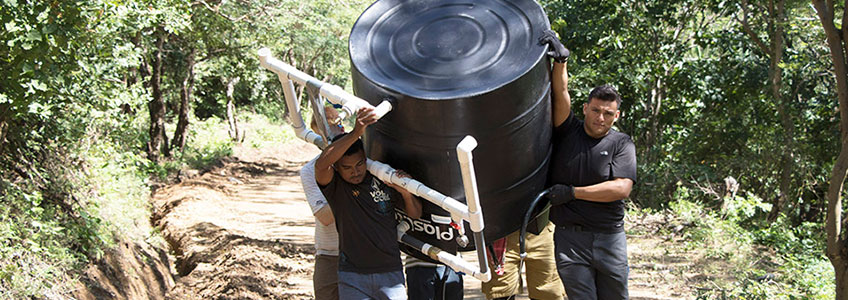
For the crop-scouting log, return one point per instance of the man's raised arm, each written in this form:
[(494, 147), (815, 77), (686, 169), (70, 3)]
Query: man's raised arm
[(335, 151), (561, 104), (561, 100)]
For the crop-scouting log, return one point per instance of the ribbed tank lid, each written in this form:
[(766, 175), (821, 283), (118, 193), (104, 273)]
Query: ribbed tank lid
[(438, 49)]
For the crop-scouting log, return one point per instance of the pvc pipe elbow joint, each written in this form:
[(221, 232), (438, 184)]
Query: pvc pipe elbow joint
[(466, 146), (475, 219), (264, 53)]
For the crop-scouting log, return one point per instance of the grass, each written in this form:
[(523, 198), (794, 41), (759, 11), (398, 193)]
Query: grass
[(261, 132)]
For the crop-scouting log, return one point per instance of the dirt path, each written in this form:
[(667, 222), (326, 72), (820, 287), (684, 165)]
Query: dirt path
[(243, 230)]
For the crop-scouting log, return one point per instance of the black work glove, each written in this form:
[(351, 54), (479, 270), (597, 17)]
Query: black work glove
[(560, 194), (555, 50)]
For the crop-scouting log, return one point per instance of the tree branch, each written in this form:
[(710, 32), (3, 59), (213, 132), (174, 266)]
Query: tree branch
[(211, 53), (225, 16), (750, 32)]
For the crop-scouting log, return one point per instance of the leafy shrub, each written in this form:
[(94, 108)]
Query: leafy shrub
[(33, 256), (265, 132), (776, 261), (208, 141)]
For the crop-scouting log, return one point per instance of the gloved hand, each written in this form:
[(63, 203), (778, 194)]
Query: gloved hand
[(555, 50), (560, 194)]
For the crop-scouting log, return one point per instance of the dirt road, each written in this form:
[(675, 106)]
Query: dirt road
[(243, 230)]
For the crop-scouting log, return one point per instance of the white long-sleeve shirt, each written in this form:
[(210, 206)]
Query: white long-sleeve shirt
[(326, 236)]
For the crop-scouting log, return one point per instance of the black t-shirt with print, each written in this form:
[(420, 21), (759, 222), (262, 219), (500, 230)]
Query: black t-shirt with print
[(580, 160), (365, 220)]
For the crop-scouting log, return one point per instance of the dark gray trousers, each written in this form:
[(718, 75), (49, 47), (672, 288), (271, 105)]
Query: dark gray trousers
[(591, 265)]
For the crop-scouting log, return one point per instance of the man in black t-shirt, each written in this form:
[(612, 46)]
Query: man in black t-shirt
[(592, 171), (363, 208)]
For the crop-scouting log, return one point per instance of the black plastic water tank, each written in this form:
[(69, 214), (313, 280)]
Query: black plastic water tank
[(458, 68)]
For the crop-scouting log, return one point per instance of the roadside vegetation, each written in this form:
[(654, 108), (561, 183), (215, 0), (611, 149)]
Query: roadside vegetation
[(723, 253), (45, 242)]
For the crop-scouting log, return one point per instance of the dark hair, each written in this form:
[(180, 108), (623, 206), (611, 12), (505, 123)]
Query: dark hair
[(354, 148), (606, 93)]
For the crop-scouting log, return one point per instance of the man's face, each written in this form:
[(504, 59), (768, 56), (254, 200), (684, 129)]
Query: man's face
[(600, 115), (352, 167)]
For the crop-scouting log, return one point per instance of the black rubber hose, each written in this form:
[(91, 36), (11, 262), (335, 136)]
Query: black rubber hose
[(526, 220), (413, 242)]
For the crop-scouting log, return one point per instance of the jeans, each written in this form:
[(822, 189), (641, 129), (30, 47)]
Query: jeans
[(433, 283), (381, 286)]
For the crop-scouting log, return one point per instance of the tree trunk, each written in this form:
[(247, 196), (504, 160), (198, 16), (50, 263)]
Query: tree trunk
[(181, 132), (653, 109), (157, 104), (836, 247), (776, 16), (235, 135), (784, 105), (837, 251)]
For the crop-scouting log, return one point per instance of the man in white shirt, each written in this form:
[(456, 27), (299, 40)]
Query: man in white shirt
[(325, 276)]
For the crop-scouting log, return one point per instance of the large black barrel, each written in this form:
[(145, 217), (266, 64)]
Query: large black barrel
[(457, 68)]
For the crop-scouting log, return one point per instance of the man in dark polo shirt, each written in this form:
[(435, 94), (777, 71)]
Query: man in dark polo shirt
[(593, 169), (363, 207)]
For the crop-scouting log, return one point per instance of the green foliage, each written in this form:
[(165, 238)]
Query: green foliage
[(745, 211), (776, 261), (68, 165), (208, 143), (265, 133), (40, 38), (67, 195), (117, 178), (31, 258), (310, 35), (805, 278), (718, 237), (804, 239)]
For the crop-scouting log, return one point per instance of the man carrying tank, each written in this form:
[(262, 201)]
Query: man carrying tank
[(363, 208), (592, 171), (325, 280)]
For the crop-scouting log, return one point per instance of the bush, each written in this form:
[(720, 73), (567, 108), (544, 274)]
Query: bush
[(34, 254), (776, 261), (67, 195)]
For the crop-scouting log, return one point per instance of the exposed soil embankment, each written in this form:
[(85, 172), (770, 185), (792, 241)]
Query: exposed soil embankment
[(241, 230), (129, 271)]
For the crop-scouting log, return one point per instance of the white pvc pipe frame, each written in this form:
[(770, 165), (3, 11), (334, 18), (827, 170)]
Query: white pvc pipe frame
[(288, 75)]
